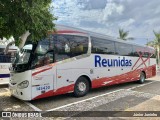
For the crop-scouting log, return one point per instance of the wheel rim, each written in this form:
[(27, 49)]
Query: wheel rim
[(82, 86)]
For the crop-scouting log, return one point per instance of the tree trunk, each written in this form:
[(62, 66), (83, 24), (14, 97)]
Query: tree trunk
[(23, 38)]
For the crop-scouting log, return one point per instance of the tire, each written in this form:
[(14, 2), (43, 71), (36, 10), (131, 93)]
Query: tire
[(81, 87), (142, 78)]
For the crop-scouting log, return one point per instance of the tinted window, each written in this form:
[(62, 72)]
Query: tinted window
[(5, 58), (1, 50), (43, 46), (67, 46), (102, 46), (123, 49), (138, 50), (153, 53), (44, 52), (8, 57), (146, 52), (59, 47)]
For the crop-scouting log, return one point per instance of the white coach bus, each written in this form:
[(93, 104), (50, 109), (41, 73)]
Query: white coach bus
[(5, 62), (74, 60)]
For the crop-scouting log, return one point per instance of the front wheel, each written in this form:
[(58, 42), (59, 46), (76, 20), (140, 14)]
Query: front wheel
[(81, 87), (142, 78)]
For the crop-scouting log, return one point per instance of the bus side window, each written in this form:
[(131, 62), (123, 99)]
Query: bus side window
[(145, 53), (5, 59), (123, 49), (137, 51), (49, 58), (102, 46), (0, 58), (68, 46), (46, 60), (153, 53), (43, 60)]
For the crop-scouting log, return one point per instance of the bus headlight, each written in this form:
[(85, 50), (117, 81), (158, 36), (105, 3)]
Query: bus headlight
[(23, 84)]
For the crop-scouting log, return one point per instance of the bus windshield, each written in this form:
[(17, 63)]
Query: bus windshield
[(23, 55)]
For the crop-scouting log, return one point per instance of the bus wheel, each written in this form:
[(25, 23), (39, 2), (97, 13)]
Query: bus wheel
[(142, 77), (81, 87)]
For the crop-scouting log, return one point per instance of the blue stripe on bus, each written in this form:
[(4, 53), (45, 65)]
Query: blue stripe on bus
[(4, 75)]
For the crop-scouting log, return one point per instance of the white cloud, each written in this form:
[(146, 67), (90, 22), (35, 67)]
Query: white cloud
[(69, 10), (106, 16), (111, 9), (127, 23)]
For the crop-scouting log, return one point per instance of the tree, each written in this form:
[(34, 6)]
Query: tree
[(124, 34), (156, 44), (19, 16)]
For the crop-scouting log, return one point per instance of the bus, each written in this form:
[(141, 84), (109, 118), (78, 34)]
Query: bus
[(75, 61), (5, 62)]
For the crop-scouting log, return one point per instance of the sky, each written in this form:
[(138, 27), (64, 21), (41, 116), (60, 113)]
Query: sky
[(139, 17)]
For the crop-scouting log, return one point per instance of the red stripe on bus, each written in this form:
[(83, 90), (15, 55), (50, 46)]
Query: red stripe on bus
[(47, 94), (142, 59), (41, 71), (126, 77)]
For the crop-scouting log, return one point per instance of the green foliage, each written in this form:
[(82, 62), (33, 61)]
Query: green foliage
[(156, 44), (18, 16), (157, 39), (151, 43), (124, 34)]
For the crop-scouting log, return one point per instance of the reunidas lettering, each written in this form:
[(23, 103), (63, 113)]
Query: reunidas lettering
[(102, 62)]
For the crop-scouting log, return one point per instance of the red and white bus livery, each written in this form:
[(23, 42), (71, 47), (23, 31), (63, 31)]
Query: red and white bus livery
[(74, 60)]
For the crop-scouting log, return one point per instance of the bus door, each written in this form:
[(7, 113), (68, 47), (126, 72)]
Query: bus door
[(43, 76)]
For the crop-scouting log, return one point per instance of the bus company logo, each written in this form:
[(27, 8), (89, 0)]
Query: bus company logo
[(120, 62)]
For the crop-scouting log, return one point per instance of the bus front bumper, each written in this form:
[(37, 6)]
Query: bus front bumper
[(19, 93)]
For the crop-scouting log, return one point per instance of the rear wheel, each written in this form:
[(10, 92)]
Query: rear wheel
[(142, 78), (81, 87)]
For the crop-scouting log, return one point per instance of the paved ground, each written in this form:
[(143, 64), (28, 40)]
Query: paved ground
[(124, 97)]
